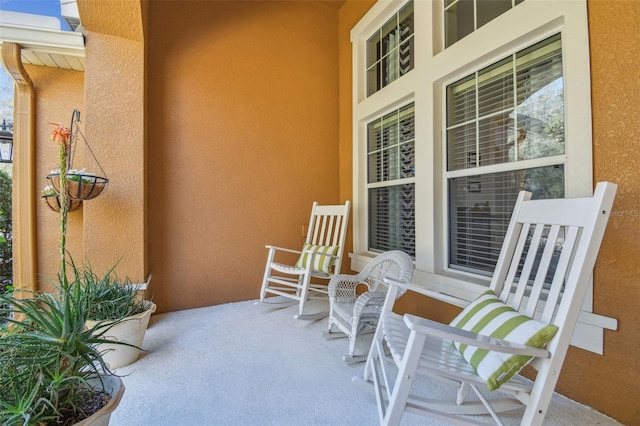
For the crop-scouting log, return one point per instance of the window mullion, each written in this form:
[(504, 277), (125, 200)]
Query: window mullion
[(475, 15), (508, 167), (477, 114), (515, 104)]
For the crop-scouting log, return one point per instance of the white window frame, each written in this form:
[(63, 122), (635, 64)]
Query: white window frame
[(425, 85)]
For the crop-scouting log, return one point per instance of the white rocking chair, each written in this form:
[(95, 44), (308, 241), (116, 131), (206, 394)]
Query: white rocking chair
[(320, 258), (351, 312), (543, 271)]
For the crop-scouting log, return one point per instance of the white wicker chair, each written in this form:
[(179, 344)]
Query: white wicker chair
[(352, 313)]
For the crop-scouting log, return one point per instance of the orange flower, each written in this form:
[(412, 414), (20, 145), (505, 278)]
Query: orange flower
[(60, 134)]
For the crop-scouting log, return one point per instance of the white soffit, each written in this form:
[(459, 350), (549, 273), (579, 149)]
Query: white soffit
[(42, 41)]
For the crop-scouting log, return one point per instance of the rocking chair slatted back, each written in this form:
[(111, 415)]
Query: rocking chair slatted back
[(538, 261), (328, 227)]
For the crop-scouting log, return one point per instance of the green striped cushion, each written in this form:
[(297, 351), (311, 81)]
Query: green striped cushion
[(322, 260), (487, 315)]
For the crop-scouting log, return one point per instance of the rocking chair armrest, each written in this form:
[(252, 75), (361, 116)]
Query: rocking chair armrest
[(452, 300), (448, 332), (270, 247), (368, 299)]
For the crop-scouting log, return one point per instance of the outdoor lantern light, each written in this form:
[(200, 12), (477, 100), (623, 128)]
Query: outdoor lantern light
[(6, 146)]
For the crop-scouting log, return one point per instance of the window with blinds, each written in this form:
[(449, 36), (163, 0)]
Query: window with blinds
[(505, 133), (390, 50), (391, 171), (462, 17)]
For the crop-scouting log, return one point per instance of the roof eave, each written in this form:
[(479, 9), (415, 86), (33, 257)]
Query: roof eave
[(47, 47)]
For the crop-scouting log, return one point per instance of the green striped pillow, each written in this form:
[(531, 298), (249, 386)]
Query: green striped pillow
[(322, 260), (489, 316)]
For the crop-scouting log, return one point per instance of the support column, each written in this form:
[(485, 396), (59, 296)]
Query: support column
[(24, 196)]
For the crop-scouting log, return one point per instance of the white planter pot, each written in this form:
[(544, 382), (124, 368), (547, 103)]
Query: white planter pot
[(131, 330), (115, 388)]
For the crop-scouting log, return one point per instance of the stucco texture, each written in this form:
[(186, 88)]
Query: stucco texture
[(611, 383), (243, 137), (119, 18), (114, 222)]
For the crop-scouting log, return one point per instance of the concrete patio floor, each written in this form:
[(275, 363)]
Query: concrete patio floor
[(242, 364)]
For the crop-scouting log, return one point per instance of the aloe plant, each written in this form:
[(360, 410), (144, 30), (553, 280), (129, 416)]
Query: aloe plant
[(48, 360), (108, 297), (50, 370)]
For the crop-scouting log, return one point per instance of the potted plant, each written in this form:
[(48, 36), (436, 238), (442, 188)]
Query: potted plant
[(51, 370), (117, 311)]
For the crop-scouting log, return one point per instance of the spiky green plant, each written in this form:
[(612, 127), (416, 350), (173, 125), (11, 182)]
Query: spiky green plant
[(48, 359), (50, 370), (108, 297)]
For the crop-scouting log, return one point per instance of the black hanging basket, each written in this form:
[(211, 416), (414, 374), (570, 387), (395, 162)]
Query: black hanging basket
[(80, 186), (53, 201)]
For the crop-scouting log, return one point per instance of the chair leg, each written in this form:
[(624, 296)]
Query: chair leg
[(463, 392), (304, 290), (352, 344), (541, 393), (265, 283), (374, 351), (330, 324), (267, 272), (356, 330), (404, 379), (351, 357)]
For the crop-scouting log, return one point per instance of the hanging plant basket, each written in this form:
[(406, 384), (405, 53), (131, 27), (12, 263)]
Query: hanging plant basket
[(80, 186), (53, 201)]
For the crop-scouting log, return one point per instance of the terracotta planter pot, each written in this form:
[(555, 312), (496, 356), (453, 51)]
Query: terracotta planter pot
[(131, 330)]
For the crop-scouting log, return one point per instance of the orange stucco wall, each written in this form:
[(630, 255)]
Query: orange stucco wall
[(243, 137), (114, 222), (611, 383), (216, 139)]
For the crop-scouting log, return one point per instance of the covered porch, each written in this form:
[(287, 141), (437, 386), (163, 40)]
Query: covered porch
[(218, 124)]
